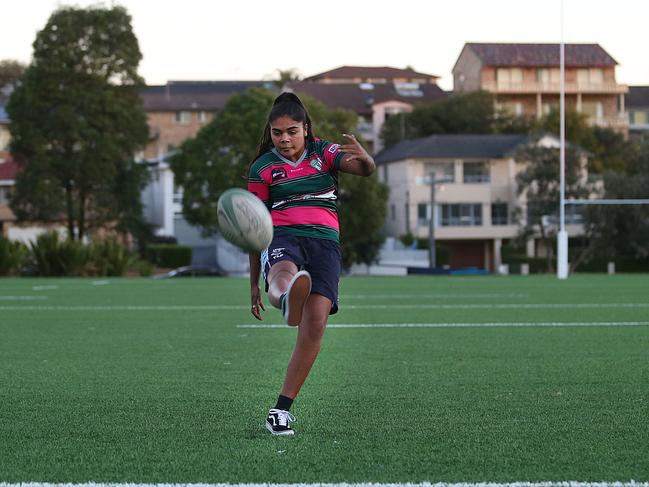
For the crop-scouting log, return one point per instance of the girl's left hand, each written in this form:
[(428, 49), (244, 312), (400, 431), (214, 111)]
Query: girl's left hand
[(353, 150), (356, 160)]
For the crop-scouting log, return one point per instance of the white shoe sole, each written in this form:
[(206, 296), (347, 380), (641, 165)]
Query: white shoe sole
[(296, 295), (278, 433)]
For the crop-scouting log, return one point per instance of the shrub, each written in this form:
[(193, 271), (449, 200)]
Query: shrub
[(13, 256), (109, 258), (52, 256), (168, 255)]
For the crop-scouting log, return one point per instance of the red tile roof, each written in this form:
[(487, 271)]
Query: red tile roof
[(346, 72), (8, 170), (544, 55)]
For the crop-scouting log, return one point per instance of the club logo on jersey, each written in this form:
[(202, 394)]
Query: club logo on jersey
[(333, 148), (278, 252), (277, 174), (316, 164)]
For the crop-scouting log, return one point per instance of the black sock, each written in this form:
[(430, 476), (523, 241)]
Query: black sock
[(284, 403)]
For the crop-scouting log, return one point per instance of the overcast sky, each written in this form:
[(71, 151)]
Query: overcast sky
[(250, 39)]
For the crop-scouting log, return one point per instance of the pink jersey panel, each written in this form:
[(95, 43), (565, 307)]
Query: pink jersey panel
[(304, 215)]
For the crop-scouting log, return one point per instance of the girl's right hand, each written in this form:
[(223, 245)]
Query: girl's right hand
[(256, 304)]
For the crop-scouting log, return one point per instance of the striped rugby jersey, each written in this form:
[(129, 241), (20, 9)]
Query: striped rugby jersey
[(300, 195)]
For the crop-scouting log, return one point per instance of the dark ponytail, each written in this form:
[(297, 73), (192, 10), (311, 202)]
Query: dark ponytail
[(285, 105)]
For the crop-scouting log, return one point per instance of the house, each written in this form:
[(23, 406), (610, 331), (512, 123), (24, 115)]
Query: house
[(525, 79), (8, 171), (637, 102), (373, 93), (177, 110), (474, 200)]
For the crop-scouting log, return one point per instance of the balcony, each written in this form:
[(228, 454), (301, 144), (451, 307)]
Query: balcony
[(533, 87), (619, 122)]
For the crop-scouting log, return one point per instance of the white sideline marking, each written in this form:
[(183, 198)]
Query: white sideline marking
[(44, 288), (465, 325), (353, 306), (362, 484), (22, 298), (100, 283), (433, 295)]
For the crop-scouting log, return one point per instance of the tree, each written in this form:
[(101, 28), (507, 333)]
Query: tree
[(10, 73), (623, 230), (469, 113), (538, 182), (219, 157), (285, 76), (77, 119)]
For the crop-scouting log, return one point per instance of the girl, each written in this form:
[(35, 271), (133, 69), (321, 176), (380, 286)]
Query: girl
[(295, 174)]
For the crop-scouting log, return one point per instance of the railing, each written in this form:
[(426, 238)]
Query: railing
[(541, 87)]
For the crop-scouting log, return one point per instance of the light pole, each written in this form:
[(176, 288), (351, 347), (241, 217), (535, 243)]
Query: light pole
[(430, 179)]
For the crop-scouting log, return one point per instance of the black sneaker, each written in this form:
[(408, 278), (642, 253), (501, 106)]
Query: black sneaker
[(292, 302), (279, 422)]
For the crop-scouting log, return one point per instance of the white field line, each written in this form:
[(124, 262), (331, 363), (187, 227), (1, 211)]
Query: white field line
[(433, 295), (22, 298), (631, 483), (100, 283), (558, 324), (44, 288), (353, 306)]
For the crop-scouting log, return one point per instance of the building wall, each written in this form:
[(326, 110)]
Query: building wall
[(168, 133), (466, 73)]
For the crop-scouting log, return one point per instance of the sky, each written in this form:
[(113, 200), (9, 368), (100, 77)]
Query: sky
[(252, 39)]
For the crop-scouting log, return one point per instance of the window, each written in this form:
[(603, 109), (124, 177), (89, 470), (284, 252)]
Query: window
[(461, 215), (548, 76), (393, 212), (593, 76), (639, 118), (594, 109), (499, 214), (507, 77), (476, 172), (422, 214), (5, 193), (512, 107), (442, 170), (202, 117), (183, 117)]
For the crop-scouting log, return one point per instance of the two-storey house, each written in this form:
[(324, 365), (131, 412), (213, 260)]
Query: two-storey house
[(374, 93), (525, 79), (475, 202)]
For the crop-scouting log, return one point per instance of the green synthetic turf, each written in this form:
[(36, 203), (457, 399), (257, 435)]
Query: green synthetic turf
[(142, 380)]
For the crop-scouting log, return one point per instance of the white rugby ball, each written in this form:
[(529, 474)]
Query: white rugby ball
[(244, 220)]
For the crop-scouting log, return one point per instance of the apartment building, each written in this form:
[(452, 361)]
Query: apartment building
[(637, 102), (525, 79), (474, 201), (374, 93)]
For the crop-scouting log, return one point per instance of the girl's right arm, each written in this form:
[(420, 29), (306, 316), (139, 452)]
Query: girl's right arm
[(256, 304)]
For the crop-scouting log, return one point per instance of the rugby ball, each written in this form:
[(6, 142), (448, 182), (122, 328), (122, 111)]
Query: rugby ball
[(244, 220)]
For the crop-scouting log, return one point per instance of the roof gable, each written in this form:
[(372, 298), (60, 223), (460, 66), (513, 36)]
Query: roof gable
[(364, 72), (195, 95), (543, 55), (454, 146)]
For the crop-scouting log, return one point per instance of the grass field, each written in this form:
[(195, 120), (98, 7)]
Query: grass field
[(449, 379)]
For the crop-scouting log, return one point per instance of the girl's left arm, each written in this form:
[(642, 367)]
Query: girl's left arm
[(356, 160)]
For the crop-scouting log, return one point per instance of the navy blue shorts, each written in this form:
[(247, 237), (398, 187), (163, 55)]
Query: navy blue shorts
[(320, 257)]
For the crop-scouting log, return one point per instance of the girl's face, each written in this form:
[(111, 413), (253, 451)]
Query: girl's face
[(289, 137)]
